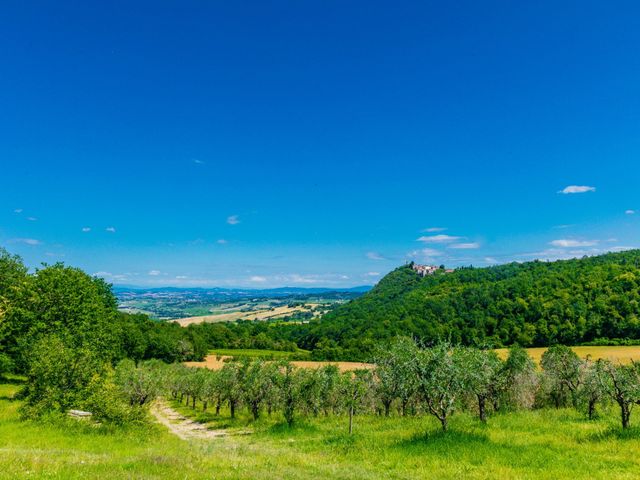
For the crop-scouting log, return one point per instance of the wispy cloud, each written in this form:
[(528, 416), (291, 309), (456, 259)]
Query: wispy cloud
[(434, 229), (26, 241), (110, 229), (577, 189), (425, 254), (86, 229), (630, 212), (18, 210), (32, 219), (181, 277), (570, 243), (222, 241), (374, 256), (197, 161), (258, 279), (373, 274), (154, 273), (438, 239), (233, 220), (465, 246)]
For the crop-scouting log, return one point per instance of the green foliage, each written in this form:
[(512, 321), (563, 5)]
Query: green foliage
[(564, 371), (60, 377), (532, 304)]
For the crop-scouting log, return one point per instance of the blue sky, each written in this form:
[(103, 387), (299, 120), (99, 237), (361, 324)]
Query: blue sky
[(315, 143)]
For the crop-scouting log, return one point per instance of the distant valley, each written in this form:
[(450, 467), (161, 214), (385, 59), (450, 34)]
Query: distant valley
[(198, 305)]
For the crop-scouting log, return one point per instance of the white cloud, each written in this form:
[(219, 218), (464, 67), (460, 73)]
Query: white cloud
[(490, 260), (26, 241), (86, 229), (233, 220), (374, 256), (577, 189), (568, 243), (198, 161), (425, 254), (181, 277), (18, 210), (434, 229), (438, 239), (32, 219), (465, 246), (110, 229), (373, 274), (222, 241), (154, 273), (258, 279), (630, 212)]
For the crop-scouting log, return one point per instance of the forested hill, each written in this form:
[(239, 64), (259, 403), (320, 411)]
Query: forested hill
[(537, 303)]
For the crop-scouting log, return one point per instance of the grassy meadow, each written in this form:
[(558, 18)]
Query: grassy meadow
[(543, 444)]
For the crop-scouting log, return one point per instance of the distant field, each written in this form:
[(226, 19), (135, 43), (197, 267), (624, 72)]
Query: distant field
[(624, 354), (216, 361), (264, 314)]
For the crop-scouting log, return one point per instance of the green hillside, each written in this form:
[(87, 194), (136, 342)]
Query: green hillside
[(594, 299)]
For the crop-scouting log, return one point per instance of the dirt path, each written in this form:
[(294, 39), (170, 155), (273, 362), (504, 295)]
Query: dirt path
[(180, 425)]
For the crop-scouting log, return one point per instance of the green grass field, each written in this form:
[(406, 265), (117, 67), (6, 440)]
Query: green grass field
[(255, 353), (545, 444)]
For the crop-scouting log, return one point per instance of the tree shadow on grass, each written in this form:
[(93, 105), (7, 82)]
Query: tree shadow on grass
[(613, 433), (12, 380), (445, 441), (300, 426)]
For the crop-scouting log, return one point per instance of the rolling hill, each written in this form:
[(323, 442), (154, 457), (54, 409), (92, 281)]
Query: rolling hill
[(586, 300)]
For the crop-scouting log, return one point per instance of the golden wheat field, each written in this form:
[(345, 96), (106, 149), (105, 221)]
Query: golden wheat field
[(623, 354), (216, 362)]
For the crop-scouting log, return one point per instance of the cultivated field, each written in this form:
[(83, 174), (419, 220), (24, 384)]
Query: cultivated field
[(217, 361), (624, 354), (259, 314), (535, 445)]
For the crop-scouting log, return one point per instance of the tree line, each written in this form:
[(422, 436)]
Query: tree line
[(406, 379)]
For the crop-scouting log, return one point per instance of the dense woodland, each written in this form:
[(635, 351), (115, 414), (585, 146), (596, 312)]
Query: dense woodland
[(588, 300)]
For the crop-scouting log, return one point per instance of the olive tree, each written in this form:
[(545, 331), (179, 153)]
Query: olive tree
[(329, 388), (231, 385), (622, 383), (440, 379), (482, 376), (140, 385), (394, 372), (592, 388), (520, 379), (564, 372), (356, 388), (289, 381)]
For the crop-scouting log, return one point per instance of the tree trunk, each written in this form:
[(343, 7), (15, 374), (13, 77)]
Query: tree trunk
[(625, 413), (204, 406), (482, 408), (193, 403), (387, 407), (232, 407), (592, 409), (350, 420), (443, 422)]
